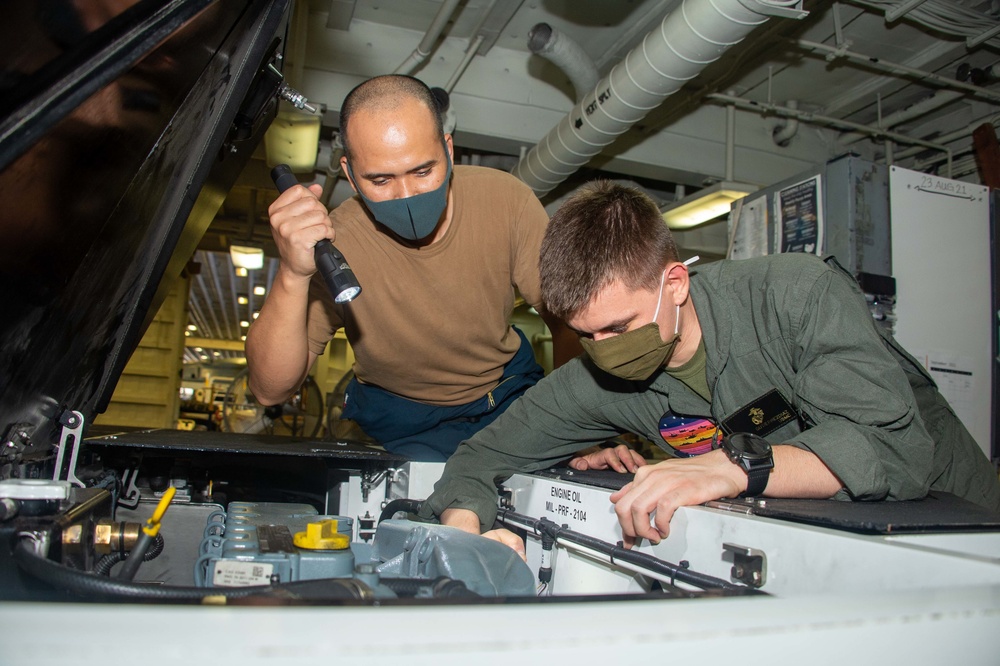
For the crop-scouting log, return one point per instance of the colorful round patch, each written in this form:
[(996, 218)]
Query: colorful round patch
[(687, 436)]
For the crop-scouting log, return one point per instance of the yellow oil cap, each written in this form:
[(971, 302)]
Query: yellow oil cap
[(322, 535)]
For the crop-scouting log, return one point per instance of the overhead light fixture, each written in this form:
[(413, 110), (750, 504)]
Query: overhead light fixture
[(705, 204), (259, 290), (247, 256), (241, 272), (245, 324), (242, 300), (192, 327)]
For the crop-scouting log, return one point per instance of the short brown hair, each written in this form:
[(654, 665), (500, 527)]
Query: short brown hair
[(384, 93), (603, 233)]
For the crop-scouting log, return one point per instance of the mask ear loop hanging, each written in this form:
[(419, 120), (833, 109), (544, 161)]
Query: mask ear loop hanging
[(677, 319)]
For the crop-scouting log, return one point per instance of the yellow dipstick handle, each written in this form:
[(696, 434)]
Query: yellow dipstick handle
[(152, 526)]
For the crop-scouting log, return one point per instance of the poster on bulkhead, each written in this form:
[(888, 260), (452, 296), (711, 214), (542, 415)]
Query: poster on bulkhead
[(800, 217)]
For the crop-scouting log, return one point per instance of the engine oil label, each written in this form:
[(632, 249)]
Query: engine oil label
[(584, 509), (234, 573)]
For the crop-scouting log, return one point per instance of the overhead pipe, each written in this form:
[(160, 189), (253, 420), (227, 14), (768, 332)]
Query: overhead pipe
[(686, 41), (783, 133), (899, 70), (817, 119), (470, 53), (430, 37), (566, 53), (915, 110), (963, 133)]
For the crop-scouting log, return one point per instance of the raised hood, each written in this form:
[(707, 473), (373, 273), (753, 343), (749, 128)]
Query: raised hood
[(124, 126)]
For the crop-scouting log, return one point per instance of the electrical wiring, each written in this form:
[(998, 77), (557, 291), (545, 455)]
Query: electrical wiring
[(943, 16)]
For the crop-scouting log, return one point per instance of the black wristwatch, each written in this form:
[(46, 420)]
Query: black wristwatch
[(753, 454)]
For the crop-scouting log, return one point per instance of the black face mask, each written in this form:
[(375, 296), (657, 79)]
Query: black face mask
[(413, 218)]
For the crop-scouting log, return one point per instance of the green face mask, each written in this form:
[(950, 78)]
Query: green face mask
[(635, 355)]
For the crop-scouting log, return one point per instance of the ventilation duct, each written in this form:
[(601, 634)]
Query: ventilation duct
[(564, 52), (686, 41)]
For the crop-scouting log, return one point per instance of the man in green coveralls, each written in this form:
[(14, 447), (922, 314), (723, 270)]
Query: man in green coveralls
[(782, 347)]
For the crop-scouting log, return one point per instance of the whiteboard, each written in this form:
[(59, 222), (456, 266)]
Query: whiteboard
[(941, 262)]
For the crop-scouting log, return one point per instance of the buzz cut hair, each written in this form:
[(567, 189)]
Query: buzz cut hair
[(385, 93)]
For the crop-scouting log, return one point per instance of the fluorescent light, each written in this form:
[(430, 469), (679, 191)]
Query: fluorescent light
[(247, 256), (705, 204), (259, 290)]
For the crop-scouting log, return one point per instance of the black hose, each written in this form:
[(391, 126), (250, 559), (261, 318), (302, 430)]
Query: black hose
[(106, 563), (440, 588), (155, 549), (397, 505), (92, 585), (620, 554)]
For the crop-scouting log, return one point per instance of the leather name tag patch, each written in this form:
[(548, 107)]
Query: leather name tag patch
[(762, 416)]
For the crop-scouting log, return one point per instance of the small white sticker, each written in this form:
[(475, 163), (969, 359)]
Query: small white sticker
[(234, 573)]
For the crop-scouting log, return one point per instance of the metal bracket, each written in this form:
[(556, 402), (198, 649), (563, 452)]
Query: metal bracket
[(72, 433), (130, 492), (793, 11), (749, 564), (370, 482), (15, 442)]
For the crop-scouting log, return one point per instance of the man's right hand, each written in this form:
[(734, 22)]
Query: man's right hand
[(619, 458), (277, 349), (468, 521), (299, 220)]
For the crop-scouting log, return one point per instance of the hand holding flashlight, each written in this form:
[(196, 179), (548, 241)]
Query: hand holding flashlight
[(330, 262)]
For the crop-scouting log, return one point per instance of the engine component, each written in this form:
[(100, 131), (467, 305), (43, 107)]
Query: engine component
[(258, 547)]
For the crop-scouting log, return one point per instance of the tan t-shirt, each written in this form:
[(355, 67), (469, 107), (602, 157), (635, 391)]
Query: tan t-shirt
[(431, 324)]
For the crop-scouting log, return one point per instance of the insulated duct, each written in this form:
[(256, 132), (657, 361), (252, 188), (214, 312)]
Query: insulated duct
[(687, 40), (563, 51)]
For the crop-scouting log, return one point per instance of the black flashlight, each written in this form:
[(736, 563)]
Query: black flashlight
[(329, 260)]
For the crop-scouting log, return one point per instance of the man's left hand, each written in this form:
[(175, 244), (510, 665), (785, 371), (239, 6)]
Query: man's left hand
[(646, 505)]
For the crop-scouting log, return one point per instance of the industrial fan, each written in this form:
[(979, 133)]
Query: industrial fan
[(299, 416)]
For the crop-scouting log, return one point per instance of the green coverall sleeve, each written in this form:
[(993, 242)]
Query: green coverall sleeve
[(548, 424), (866, 423)]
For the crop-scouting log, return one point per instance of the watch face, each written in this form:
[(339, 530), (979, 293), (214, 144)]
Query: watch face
[(752, 446)]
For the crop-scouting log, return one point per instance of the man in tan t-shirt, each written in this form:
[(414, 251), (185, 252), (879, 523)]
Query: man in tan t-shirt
[(439, 252)]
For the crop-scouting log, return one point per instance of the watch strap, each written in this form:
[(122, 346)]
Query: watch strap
[(757, 481)]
